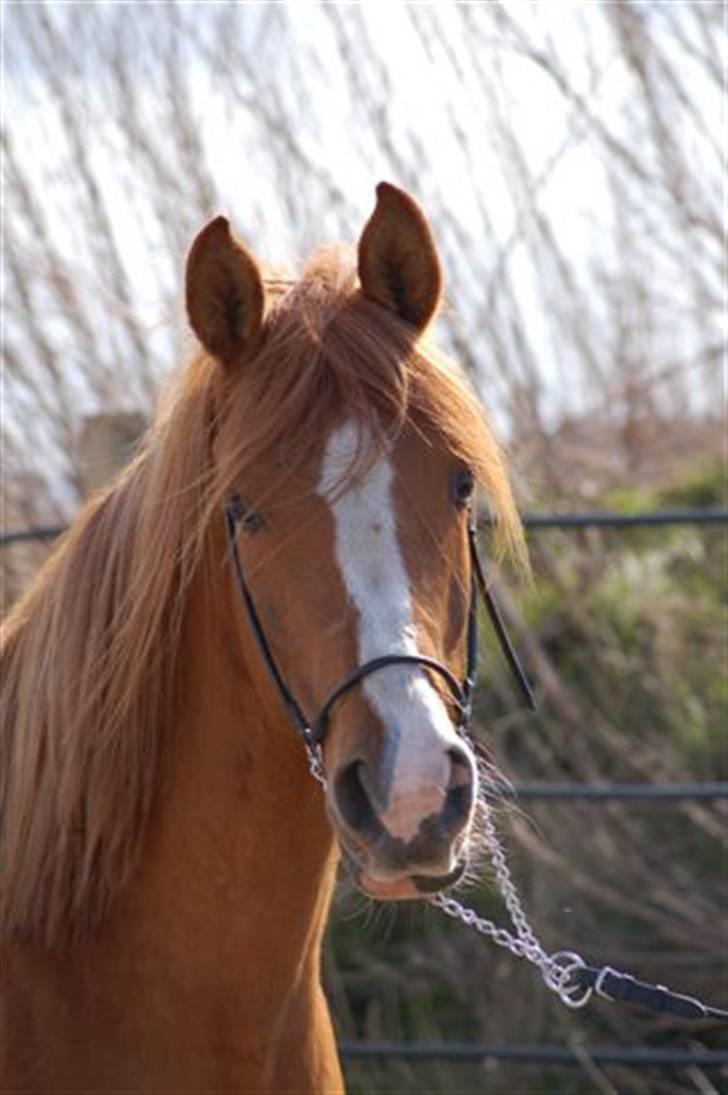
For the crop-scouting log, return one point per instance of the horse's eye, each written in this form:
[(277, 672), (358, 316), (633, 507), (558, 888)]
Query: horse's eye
[(462, 486)]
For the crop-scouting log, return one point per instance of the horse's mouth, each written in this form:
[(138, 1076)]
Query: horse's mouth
[(409, 888)]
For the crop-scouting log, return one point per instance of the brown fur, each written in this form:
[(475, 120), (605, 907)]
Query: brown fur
[(127, 687)]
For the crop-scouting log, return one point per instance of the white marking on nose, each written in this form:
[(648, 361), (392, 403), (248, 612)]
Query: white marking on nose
[(415, 766)]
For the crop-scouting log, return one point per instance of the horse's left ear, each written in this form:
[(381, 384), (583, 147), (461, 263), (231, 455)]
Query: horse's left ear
[(398, 262), (224, 292)]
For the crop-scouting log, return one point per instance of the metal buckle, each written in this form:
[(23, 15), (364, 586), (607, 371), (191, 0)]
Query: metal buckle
[(562, 965)]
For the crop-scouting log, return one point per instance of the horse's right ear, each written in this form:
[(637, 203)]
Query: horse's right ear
[(224, 292)]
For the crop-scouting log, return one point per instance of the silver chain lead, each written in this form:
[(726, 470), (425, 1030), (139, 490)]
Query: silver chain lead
[(556, 969)]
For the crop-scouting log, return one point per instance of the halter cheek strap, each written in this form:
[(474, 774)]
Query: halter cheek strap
[(496, 619), (237, 514)]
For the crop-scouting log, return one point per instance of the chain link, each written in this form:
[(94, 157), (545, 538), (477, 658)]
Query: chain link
[(316, 764)]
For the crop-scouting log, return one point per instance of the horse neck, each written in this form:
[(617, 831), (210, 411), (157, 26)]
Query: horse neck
[(241, 849)]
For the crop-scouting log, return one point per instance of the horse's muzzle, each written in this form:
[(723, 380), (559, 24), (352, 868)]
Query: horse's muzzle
[(424, 849)]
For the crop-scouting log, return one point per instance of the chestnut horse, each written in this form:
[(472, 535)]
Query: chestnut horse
[(167, 859)]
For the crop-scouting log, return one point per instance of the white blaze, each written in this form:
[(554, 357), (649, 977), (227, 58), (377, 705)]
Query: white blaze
[(417, 728)]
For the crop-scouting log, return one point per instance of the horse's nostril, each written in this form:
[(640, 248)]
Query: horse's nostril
[(353, 801), (460, 791), (461, 764), (458, 804)]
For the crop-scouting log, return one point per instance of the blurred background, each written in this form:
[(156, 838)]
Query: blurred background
[(571, 160)]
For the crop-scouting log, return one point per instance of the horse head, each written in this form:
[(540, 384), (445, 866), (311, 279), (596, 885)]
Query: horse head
[(351, 451)]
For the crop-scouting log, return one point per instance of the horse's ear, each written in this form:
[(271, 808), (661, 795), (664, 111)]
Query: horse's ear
[(224, 292), (398, 262)]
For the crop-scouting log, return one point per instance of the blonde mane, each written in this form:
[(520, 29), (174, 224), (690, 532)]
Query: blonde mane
[(88, 654)]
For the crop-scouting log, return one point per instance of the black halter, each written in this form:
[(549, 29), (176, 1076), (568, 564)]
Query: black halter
[(237, 514)]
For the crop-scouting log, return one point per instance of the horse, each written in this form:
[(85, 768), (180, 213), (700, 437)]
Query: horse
[(296, 517)]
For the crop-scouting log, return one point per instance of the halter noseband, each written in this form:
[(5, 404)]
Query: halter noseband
[(312, 732)]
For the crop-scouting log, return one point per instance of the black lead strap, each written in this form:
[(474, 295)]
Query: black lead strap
[(613, 985)]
